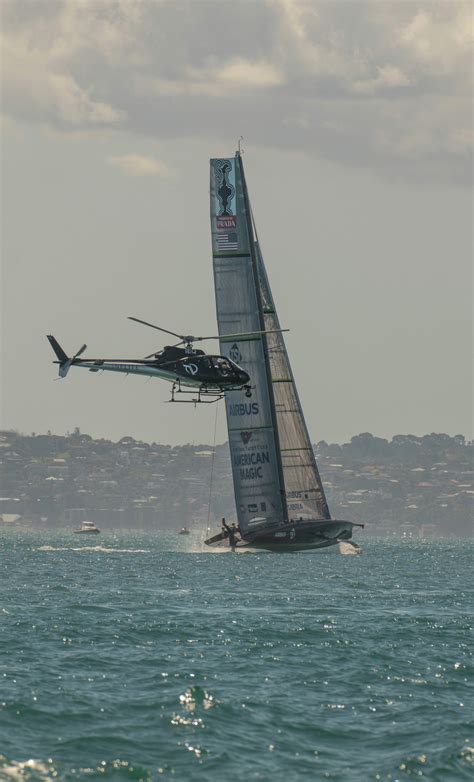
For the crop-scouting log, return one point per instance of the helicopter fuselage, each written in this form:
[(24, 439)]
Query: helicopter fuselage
[(194, 370)]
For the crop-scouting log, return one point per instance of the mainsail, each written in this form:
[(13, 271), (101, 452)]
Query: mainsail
[(275, 474), (303, 488)]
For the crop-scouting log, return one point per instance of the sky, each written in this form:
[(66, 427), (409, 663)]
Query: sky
[(357, 127)]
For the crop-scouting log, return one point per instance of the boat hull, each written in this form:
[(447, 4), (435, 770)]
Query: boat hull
[(299, 536), (86, 531)]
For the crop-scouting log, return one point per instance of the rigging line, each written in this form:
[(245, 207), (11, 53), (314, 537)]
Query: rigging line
[(212, 470)]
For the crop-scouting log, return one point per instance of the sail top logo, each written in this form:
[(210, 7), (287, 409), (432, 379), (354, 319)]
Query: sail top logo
[(225, 188), (225, 202), (246, 437)]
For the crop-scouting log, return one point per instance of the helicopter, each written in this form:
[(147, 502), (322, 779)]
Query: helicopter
[(189, 370)]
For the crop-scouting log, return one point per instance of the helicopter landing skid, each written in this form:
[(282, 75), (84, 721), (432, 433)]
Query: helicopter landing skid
[(213, 395)]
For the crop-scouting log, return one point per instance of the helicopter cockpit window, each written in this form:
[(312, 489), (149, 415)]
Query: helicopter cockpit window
[(223, 366), (206, 363)]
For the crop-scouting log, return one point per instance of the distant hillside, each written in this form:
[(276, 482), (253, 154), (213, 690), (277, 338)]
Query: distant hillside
[(407, 486), (419, 485)]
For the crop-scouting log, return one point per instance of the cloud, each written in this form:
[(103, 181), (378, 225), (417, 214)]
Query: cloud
[(388, 77), (36, 85), (440, 37), (140, 165), (382, 85), (243, 73), (236, 76)]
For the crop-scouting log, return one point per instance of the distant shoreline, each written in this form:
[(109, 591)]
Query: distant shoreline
[(410, 487)]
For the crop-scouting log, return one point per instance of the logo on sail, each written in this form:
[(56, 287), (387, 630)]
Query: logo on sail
[(251, 465), (225, 190), (244, 408), (223, 223), (227, 242), (235, 354), (225, 207), (246, 436)]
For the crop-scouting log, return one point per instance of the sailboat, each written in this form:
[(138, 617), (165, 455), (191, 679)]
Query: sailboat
[(279, 496)]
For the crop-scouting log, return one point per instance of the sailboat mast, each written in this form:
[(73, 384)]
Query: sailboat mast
[(271, 395)]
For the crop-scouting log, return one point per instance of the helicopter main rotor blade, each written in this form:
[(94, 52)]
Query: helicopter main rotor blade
[(241, 334), (152, 326), (188, 339)]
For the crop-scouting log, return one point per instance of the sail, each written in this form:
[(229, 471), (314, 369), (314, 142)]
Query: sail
[(275, 474), (253, 438), (303, 487)]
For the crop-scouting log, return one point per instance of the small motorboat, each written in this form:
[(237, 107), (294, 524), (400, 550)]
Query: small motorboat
[(87, 527), (184, 531)]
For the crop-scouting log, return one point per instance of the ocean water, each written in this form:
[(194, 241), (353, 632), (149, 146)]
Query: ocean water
[(143, 657)]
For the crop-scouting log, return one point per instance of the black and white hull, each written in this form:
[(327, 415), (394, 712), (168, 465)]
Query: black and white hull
[(294, 536)]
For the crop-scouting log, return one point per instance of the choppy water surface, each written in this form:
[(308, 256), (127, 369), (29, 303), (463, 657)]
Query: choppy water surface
[(141, 657)]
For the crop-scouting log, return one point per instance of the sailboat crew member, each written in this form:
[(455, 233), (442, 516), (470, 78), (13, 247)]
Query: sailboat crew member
[(231, 532)]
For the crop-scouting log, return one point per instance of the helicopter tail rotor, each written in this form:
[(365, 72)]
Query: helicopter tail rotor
[(64, 361)]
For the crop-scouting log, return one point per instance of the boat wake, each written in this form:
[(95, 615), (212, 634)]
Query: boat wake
[(102, 549), (347, 548)]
